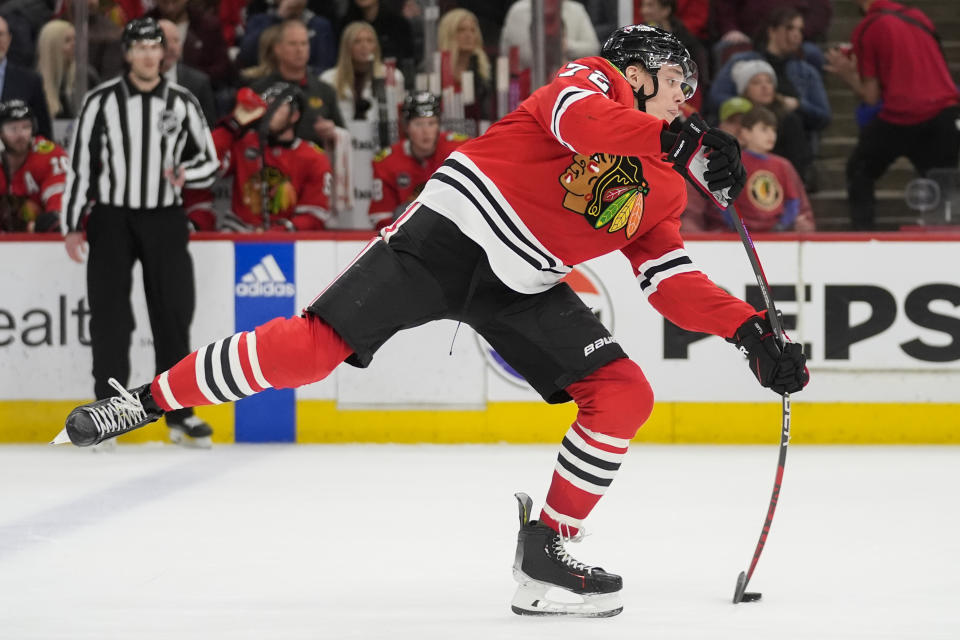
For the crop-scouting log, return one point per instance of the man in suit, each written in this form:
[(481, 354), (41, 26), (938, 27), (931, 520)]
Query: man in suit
[(23, 84), (194, 80)]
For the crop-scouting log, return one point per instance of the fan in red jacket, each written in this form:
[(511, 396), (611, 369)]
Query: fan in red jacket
[(34, 172), (401, 171), (584, 167), (296, 173)]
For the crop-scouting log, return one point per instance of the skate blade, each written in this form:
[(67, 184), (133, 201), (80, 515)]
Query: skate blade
[(62, 438), (532, 599), (181, 439)]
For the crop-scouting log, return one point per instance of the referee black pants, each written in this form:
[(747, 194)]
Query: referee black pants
[(928, 145), (158, 239)]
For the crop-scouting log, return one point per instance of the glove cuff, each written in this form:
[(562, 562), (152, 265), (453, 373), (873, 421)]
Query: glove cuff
[(668, 140)]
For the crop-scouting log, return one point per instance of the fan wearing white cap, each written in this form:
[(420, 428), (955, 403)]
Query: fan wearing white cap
[(756, 81)]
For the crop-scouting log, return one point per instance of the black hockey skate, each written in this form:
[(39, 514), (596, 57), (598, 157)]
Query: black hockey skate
[(95, 422), (191, 432), (542, 563)]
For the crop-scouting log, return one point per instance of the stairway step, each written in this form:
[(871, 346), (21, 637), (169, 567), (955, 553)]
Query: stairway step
[(831, 212), (831, 174), (836, 146)]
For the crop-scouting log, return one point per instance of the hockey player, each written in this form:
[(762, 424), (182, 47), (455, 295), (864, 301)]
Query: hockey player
[(34, 172), (297, 173), (584, 167), (401, 171)]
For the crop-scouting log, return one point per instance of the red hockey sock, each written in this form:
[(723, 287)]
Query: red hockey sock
[(283, 353), (613, 402)]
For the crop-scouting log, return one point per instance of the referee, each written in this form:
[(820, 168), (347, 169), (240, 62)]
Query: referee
[(138, 141)]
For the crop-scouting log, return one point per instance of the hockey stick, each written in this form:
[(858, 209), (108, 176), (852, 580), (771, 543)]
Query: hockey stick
[(263, 137), (741, 594)]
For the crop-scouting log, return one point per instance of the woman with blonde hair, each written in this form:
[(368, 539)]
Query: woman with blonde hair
[(266, 55), (55, 63), (357, 64), (459, 33)]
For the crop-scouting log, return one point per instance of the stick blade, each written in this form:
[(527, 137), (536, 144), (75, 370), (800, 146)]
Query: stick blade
[(740, 594)]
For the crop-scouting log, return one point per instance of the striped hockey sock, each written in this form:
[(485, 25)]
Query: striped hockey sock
[(586, 466), (283, 353)]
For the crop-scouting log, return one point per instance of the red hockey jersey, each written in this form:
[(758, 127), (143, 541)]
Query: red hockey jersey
[(298, 180), (398, 177), (574, 173), (36, 187)]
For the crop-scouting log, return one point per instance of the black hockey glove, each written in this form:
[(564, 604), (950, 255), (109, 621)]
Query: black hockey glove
[(708, 158), (783, 370)]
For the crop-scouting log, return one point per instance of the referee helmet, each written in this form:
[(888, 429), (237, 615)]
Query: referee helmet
[(142, 29)]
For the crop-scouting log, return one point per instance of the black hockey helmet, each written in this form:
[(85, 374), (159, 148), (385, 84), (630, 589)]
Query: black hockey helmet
[(653, 48), (421, 104), (140, 29), (13, 110), (284, 92)]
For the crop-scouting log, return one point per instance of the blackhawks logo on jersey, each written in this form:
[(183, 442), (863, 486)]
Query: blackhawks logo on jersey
[(607, 190), (281, 196)]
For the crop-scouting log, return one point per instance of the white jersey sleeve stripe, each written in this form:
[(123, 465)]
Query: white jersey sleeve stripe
[(566, 98)]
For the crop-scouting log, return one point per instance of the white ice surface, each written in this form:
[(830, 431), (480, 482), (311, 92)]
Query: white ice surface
[(398, 542)]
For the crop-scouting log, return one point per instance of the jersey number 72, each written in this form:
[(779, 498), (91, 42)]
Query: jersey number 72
[(595, 76)]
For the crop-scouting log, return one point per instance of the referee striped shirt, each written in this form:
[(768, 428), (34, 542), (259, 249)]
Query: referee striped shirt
[(123, 141)]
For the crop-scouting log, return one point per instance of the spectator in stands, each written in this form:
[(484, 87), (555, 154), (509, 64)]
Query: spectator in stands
[(202, 40), (323, 42), (266, 56), (34, 171), (352, 78), (774, 198), (737, 22), (24, 20), (662, 14), (400, 171), (392, 30), (193, 80), (580, 38), (490, 15), (19, 83), (757, 81), (321, 114), (919, 105), (799, 85), (459, 33), (56, 47)]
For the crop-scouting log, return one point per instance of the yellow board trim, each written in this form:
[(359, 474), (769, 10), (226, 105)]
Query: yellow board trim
[(35, 421), (320, 421)]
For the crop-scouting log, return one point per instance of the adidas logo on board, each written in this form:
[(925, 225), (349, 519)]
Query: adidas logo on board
[(265, 280)]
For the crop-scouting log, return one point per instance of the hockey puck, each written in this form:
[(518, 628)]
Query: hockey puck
[(741, 594)]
